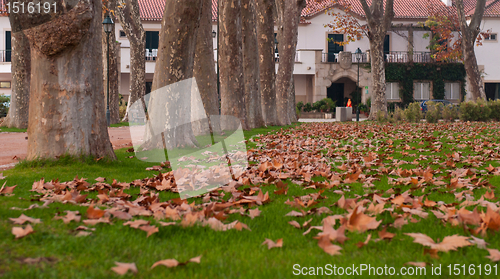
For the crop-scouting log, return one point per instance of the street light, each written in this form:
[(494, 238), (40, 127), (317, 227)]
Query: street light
[(108, 28), (358, 54), (214, 34)]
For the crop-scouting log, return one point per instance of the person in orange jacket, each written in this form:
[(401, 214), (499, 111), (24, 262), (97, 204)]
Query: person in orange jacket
[(349, 105)]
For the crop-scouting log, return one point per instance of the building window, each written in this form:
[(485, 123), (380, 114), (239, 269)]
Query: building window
[(452, 90), (4, 84), (122, 34), (421, 90), (490, 37), (392, 91)]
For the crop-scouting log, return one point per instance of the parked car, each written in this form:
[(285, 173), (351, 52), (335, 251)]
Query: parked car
[(423, 104)]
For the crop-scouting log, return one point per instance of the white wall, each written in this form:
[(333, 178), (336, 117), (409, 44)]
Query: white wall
[(489, 53)]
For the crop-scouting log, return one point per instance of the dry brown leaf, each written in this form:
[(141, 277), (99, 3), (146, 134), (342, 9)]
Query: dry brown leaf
[(361, 222), (449, 242), (122, 268), (254, 213), (83, 233), (479, 242), (7, 190), (136, 223), (121, 215), (494, 255), (92, 222), (19, 232), (149, 229), (327, 246), (399, 222), (361, 244), (272, 244), (23, 218), (383, 234), (94, 213), (295, 224)]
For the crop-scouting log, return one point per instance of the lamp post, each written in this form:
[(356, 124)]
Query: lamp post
[(108, 28), (358, 57)]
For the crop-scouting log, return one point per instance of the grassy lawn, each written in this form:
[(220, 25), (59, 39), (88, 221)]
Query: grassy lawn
[(12, 130), (415, 173)]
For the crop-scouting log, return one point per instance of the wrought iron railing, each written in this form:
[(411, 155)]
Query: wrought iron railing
[(151, 54), (277, 57), (334, 58), (405, 57)]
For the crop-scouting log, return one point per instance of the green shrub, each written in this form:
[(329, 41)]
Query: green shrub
[(317, 106), (413, 112), (369, 103), (495, 109), (329, 105), (382, 116), (433, 113), (398, 115), (308, 107), (300, 106), (449, 113), (475, 111), (4, 105), (121, 111), (362, 108), (298, 112)]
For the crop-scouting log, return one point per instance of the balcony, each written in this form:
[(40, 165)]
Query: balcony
[(390, 57), (334, 58), (151, 54), (277, 57), (5, 55)]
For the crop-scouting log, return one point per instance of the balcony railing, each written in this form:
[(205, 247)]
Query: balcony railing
[(151, 54), (405, 57), (334, 58), (5, 55), (277, 57)]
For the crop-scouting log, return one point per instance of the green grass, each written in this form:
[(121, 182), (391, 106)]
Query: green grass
[(12, 130), (235, 254), (121, 124)]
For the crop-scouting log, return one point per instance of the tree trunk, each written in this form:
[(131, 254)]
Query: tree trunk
[(265, 38), (130, 20), (231, 64), (170, 106), (288, 18), (251, 65), (204, 68), (469, 34), (291, 102), (379, 100), (114, 97), (18, 114), (67, 115), (379, 22)]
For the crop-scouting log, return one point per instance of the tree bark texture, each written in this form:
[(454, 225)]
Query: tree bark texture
[(469, 34), (267, 68), (379, 21), (251, 65), (67, 115), (130, 20), (18, 114), (175, 63), (291, 102), (204, 67), (114, 95), (232, 86), (288, 18)]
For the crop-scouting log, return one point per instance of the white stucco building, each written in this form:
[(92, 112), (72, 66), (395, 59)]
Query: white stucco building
[(318, 72)]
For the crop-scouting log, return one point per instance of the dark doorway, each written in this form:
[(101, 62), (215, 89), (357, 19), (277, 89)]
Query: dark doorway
[(8, 46), (149, 85), (492, 91), (336, 93), (334, 47), (386, 45)]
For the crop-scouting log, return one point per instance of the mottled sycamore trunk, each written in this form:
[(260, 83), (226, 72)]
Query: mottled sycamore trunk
[(265, 39), (251, 65), (67, 113), (114, 97), (204, 68), (469, 34), (288, 18), (231, 64), (20, 85), (130, 20), (175, 63), (379, 22)]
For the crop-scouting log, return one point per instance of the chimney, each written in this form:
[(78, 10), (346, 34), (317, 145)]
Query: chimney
[(448, 3)]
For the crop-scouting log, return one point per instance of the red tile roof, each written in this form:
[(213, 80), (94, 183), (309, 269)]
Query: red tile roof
[(403, 9)]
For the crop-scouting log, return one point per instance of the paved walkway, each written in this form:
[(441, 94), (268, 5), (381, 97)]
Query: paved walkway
[(306, 120), (14, 146)]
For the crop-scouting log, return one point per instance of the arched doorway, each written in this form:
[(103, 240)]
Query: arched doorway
[(340, 91)]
